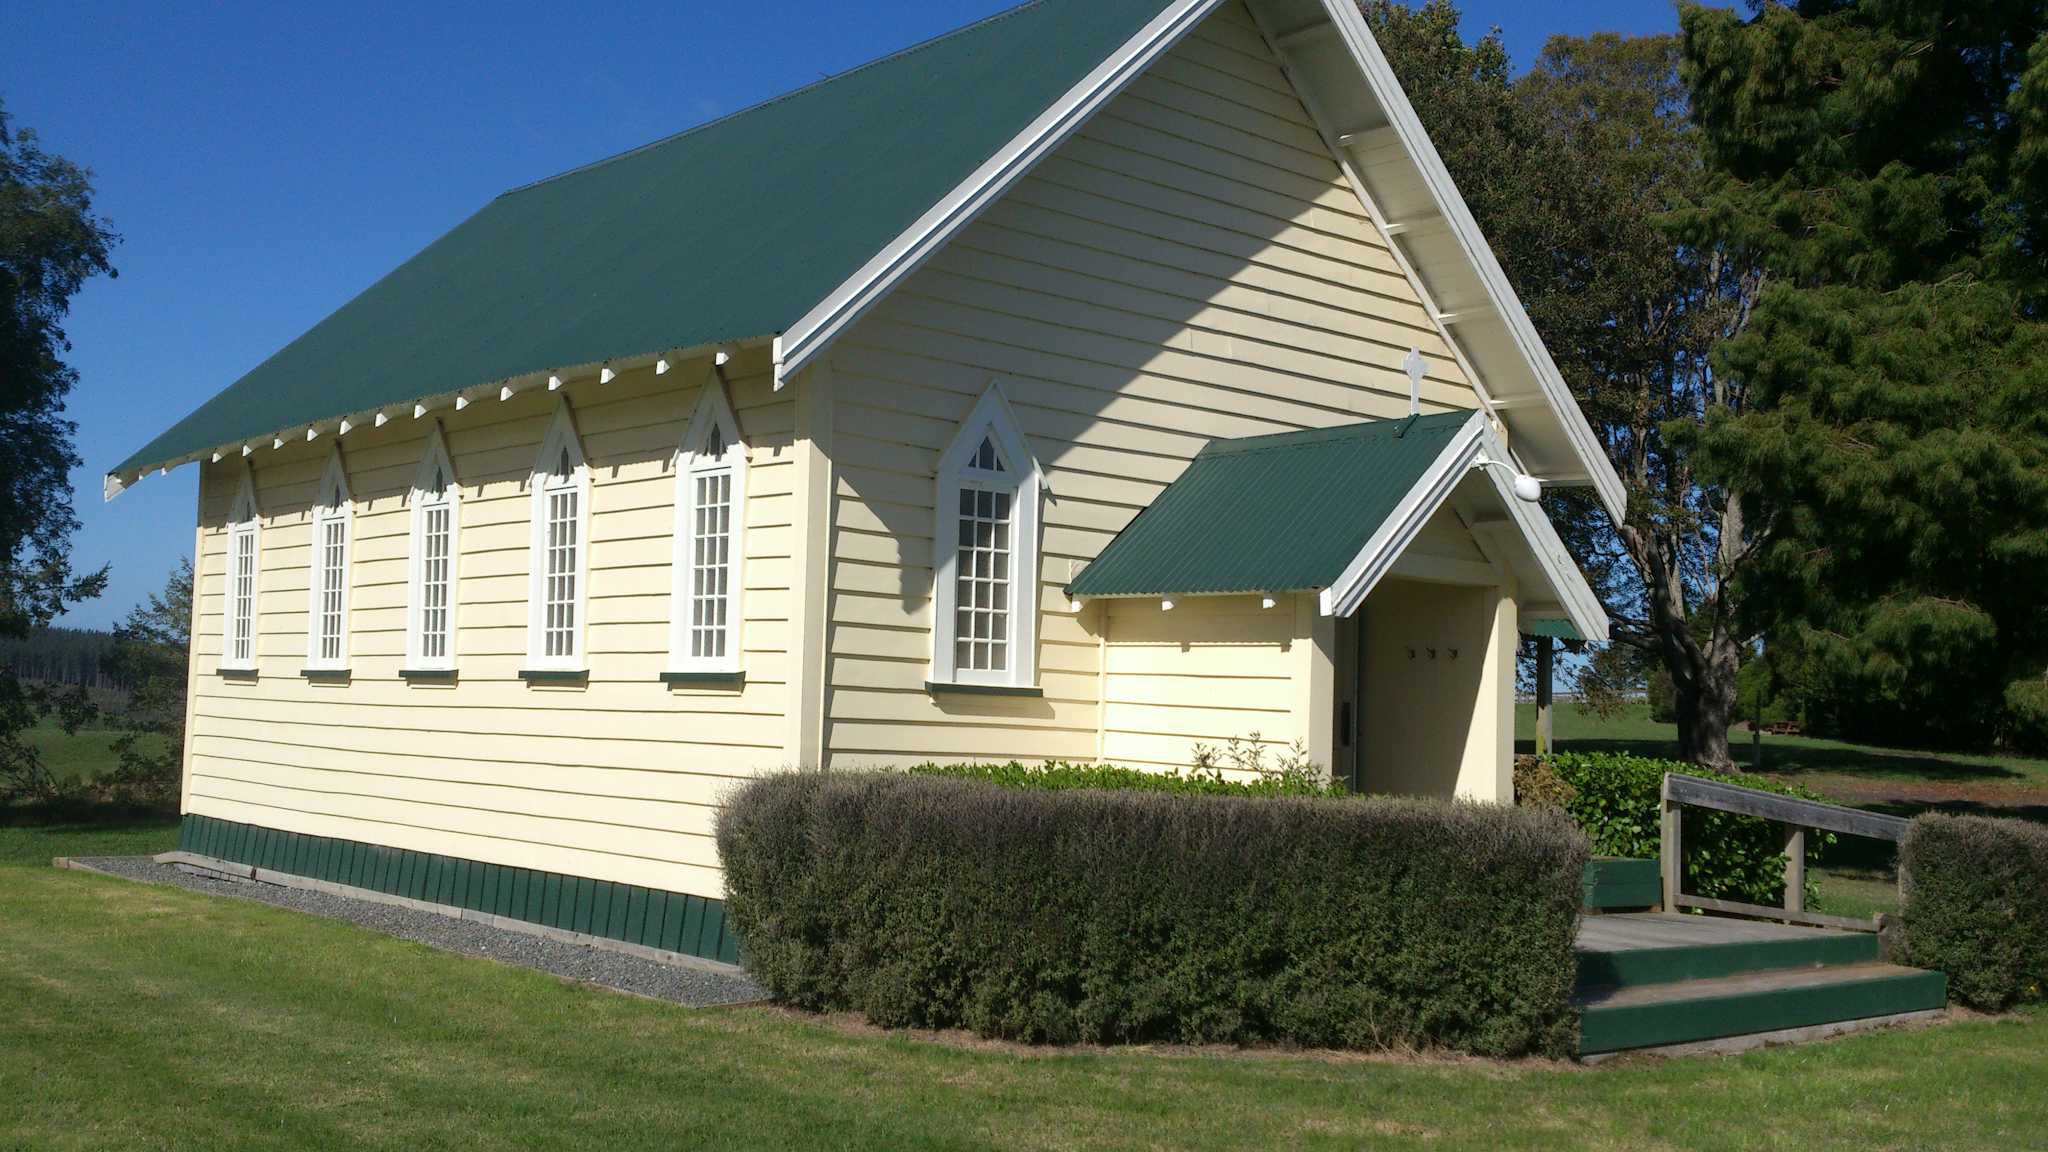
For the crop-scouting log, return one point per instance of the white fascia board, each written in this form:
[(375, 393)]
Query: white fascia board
[(804, 340), (1581, 604), (1422, 501), (1404, 524), (1379, 76)]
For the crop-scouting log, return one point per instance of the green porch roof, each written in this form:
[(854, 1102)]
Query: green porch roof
[(729, 231), (1280, 513)]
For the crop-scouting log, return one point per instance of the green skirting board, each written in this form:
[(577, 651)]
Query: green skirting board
[(671, 921)]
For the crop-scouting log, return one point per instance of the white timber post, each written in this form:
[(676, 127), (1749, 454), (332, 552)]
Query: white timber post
[(805, 742)]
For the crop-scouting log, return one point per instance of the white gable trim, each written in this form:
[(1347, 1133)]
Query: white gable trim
[(1386, 546), (1415, 143), (815, 330)]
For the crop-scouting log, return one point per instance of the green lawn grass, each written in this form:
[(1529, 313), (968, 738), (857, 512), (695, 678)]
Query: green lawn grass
[(1632, 730), (149, 1017), (1858, 877), (75, 755)]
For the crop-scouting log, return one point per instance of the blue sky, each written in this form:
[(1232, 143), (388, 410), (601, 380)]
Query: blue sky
[(266, 162)]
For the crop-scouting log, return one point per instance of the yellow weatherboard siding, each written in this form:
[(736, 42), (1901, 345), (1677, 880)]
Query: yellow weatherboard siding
[(1190, 265), (615, 779), (1213, 668)]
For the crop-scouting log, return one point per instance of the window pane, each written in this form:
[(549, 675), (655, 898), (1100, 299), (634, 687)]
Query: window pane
[(981, 593), (436, 544), (242, 625), (709, 580), (559, 586)]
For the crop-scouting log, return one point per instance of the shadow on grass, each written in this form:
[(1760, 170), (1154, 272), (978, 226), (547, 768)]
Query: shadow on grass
[(98, 815)]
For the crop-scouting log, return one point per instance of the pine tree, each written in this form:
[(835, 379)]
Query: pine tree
[(1890, 160)]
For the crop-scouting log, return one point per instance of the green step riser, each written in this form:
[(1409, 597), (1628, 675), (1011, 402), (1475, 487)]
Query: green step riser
[(671, 921), (1715, 1017), (1614, 882), (1637, 967)]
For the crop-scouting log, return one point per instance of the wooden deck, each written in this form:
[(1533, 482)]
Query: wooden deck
[(1634, 930)]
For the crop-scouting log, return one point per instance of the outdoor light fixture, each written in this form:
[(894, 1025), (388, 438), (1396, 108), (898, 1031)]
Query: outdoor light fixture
[(1528, 489)]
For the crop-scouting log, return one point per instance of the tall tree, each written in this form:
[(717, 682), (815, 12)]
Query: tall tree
[(1890, 158), (152, 652), (51, 242), (1580, 173)]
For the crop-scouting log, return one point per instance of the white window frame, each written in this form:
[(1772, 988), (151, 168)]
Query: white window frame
[(433, 460), (561, 435), (245, 522), (332, 507), (1022, 478), (714, 413)]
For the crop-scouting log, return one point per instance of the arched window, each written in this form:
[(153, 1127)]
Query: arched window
[(560, 557), (436, 529), (711, 515), (238, 645), (327, 590), (985, 585)]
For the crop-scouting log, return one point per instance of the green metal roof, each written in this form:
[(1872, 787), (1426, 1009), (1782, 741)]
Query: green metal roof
[(1555, 629), (1280, 513), (732, 230)]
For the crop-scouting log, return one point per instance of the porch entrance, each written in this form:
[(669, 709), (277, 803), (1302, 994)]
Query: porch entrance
[(1424, 691)]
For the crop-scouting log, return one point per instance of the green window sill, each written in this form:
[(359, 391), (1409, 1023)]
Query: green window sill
[(555, 675), (238, 673), (706, 679), (428, 675), (943, 688), (324, 673)]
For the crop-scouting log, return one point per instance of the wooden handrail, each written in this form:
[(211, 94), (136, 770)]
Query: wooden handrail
[(1701, 793), (1795, 816)]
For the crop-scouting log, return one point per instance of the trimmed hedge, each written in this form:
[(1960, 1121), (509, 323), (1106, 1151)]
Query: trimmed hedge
[(1977, 906), (1060, 916), (1060, 776), (1618, 799)]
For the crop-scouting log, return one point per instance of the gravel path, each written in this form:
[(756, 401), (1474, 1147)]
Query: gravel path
[(692, 986)]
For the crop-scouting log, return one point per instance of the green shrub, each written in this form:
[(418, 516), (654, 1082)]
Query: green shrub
[(1538, 784), (1081, 915), (1060, 776), (1977, 906), (1618, 801), (2024, 719)]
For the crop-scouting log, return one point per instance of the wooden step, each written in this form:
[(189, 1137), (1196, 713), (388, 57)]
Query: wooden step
[(1663, 948), (1659, 1014)]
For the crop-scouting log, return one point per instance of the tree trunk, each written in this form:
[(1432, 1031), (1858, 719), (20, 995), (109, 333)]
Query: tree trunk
[(1706, 701), (1702, 676)]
